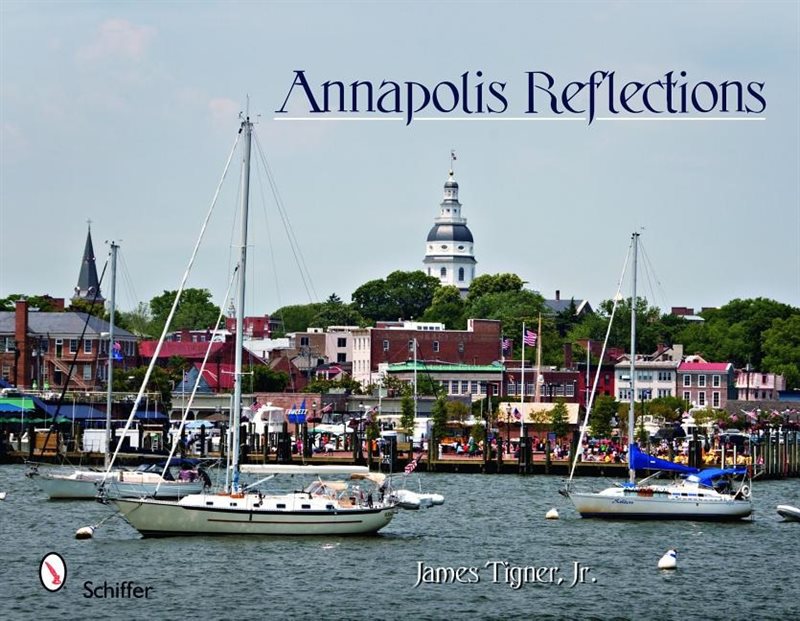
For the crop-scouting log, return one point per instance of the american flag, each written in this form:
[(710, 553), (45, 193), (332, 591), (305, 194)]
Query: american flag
[(507, 344), (530, 338), (412, 465), (517, 415)]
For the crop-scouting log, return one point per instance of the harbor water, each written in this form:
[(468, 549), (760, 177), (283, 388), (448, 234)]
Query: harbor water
[(465, 559)]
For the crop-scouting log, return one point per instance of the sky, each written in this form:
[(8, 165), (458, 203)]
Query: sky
[(125, 113)]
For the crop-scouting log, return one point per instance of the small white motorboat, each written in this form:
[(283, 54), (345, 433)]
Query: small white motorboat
[(789, 512), (406, 499)]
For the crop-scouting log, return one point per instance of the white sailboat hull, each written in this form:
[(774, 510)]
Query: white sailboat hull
[(615, 503), (210, 514), (85, 485), (789, 512)]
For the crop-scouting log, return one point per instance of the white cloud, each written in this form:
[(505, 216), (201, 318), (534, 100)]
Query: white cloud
[(118, 38)]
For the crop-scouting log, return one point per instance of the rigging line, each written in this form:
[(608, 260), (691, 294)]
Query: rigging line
[(174, 308), (270, 245), (126, 276), (584, 426), (293, 244), (649, 269), (297, 251), (188, 405)]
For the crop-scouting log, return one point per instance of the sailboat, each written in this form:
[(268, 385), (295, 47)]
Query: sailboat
[(707, 494), (84, 484), (356, 505)]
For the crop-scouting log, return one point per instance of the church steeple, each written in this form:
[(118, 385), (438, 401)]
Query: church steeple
[(449, 254), (88, 284)]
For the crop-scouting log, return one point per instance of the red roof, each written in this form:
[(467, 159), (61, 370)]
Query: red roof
[(717, 367), (178, 348), (223, 381)]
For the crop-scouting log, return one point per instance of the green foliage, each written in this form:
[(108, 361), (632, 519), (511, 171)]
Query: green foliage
[(96, 309), (438, 419), (44, 303), (160, 382), (334, 312), (458, 411), (264, 379), (346, 383), (407, 415), (512, 308), (493, 283), (400, 295), (195, 311), (605, 408), (559, 419), (668, 408), (138, 321), (297, 317), (448, 308), (781, 349)]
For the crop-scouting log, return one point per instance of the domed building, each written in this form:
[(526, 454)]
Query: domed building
[(449, 252)]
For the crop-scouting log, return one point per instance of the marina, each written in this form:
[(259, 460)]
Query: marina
[(488, 519)]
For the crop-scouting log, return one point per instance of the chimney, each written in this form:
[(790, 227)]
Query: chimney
[(558, 294), (567, 355), (21, 356)]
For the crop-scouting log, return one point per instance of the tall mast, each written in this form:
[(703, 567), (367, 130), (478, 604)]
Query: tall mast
[(110, 389), (247, 128), (635, 240)]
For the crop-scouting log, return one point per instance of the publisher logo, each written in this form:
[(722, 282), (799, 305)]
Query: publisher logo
[(53, 572)]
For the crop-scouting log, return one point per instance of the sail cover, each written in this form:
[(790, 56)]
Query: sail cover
[(643, 461)]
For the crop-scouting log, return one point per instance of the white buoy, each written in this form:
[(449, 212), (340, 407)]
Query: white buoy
[(552, 514), (87, 532), (669, 560), (2, 495)]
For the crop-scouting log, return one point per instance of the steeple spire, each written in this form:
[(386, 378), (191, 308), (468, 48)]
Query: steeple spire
[(88, 284)]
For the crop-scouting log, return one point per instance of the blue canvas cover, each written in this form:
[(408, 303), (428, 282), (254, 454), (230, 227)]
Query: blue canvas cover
[(642, 461)]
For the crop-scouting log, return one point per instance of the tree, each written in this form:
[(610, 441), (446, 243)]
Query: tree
[(448, 308), (605, 408), (334, 312), (96, 309), (407, 417), (44, 303), (160, 382), (559, 419), (346, 383), (138, 321), (493, 283), (458, 411), (264, 379), (401, 295), (439, 421), (297, 317), (781, 348), (195, 310)]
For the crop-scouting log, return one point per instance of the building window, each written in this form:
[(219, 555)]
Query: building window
[(701, 381), (460, 274), (687, 381), (436, 347), (461, 348), (763, 379), (715, 399), (303, 341), (443, 272), (73, 346), (687, 396), (715, 381), (411, 345), (87, 346), (341, 357), (386, 346), (512, 388), (464, 387), (570, 390), (87, 371), (701, 398), (341, 342), (664, 376)]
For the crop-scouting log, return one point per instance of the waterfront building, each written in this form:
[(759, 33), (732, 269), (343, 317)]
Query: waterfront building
[(449, 250), (754, 385), (395, 341), (38, 348), (656, 374), (706, 384), (455, 380)]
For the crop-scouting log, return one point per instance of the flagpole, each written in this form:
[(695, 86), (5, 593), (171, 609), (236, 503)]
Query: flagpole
[(522, 389), (538, 396)]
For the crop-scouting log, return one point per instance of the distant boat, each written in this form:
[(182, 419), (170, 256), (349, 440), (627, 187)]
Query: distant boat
[(789, 512), (708, 494), (358, 505), (2, 495)]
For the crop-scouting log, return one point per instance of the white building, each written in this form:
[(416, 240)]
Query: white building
[(449, 254)]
